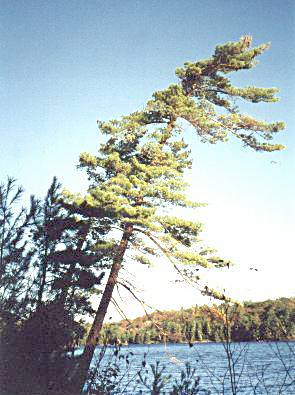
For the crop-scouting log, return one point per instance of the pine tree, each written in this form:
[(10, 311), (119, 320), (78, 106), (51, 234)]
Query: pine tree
[(138, 174), (199, 331), (66, 259), (46, 235), (15, 256), (54, 247)]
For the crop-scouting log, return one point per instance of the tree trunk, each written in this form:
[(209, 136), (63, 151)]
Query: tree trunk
[(93, 336)]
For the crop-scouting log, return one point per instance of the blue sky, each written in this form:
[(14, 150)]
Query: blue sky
[(65, 64)]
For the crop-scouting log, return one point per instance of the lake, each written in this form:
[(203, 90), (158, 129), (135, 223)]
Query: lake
[(260, 368)]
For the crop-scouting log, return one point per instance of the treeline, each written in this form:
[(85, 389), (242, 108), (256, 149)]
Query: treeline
[(252, 321)]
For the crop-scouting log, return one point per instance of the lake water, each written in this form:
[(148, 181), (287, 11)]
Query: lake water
[(260, 368)]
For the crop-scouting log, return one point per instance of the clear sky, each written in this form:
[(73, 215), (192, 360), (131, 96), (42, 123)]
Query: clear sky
[(65, 64)]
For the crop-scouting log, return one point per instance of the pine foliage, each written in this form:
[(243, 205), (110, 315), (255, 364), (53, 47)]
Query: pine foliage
[(138, 174)]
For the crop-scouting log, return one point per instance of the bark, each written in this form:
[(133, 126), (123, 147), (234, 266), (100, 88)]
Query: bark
[(94, 333)]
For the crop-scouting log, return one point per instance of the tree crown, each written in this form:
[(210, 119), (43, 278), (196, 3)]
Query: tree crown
[(138, 172)]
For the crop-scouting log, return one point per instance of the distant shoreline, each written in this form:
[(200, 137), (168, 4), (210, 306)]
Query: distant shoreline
[(270, 320), (192, 344)]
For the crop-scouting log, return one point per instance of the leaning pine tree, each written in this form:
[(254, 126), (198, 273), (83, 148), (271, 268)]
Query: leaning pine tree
[(140, 169)]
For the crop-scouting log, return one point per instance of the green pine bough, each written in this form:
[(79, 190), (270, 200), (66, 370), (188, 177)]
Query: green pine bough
[(139, 170)]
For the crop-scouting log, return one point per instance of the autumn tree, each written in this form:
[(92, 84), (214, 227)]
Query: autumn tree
[(138, 174)]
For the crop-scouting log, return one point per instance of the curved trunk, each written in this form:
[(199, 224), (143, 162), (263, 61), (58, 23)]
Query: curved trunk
[(93, 336)]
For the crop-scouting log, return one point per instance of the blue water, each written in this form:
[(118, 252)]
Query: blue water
[(259, 368)]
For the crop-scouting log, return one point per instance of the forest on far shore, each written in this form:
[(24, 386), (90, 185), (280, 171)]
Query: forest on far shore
[(251, 321)]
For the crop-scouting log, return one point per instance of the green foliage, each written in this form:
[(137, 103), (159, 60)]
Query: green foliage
[(269, 320), (207, 81), (138, 172), (53, 256), (49, 269), (66, 259), (16, 258)]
